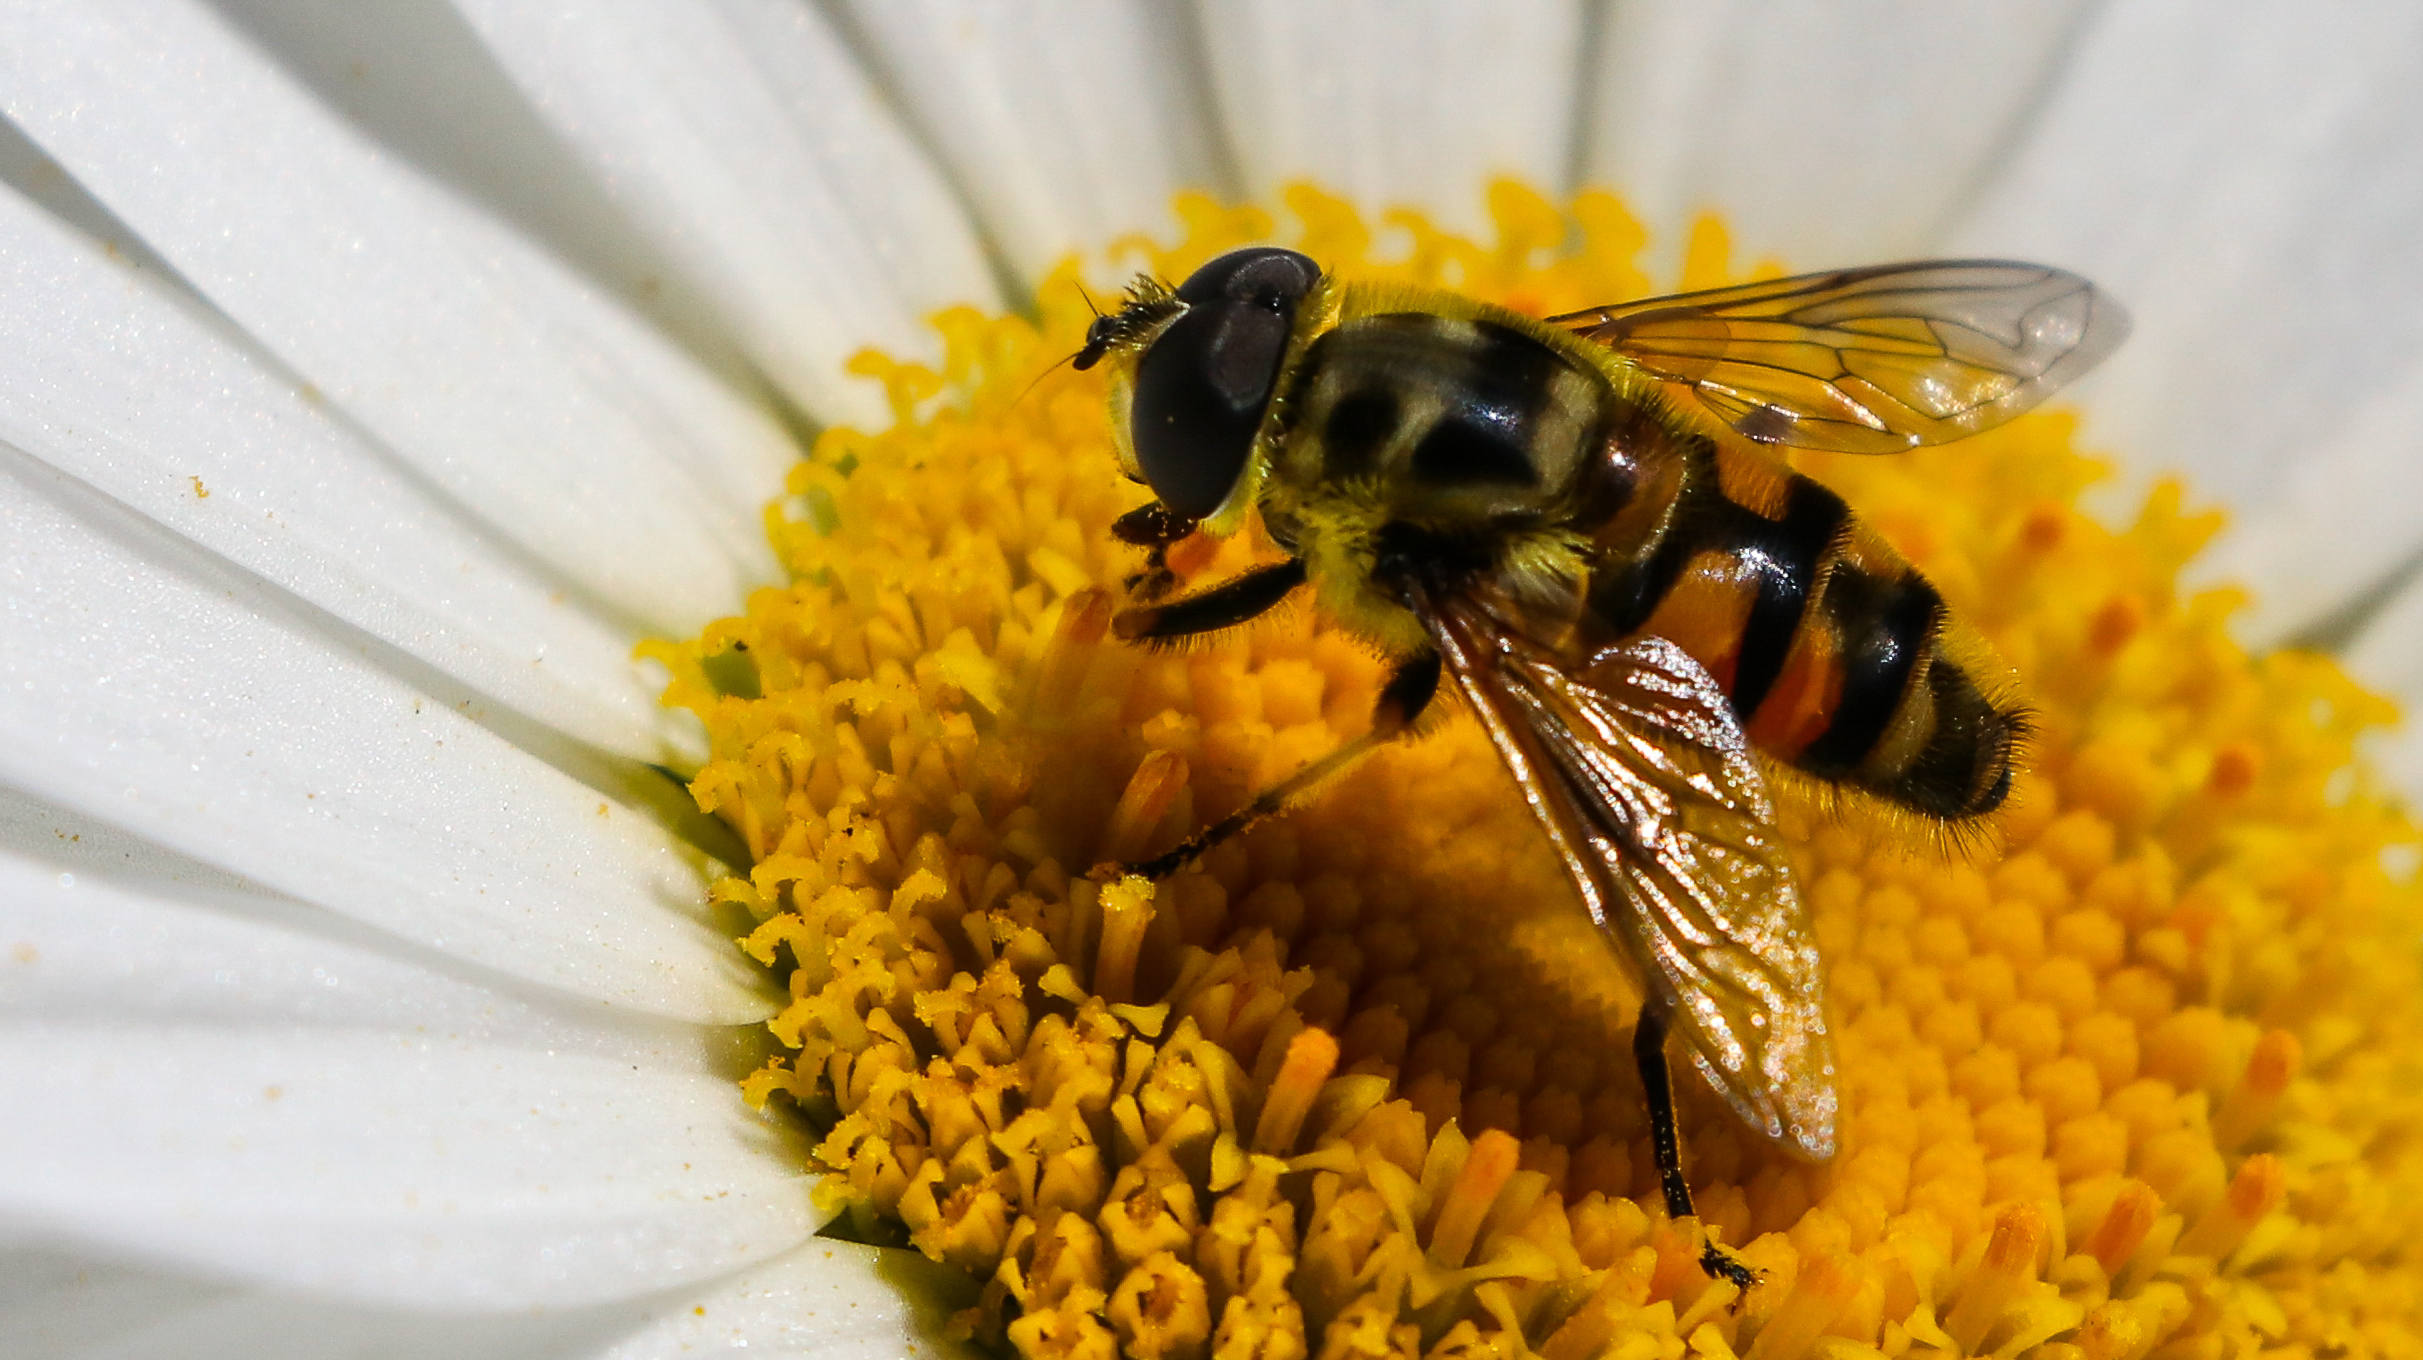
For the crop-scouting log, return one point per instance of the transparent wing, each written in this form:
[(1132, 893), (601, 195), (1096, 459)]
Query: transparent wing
[(1873, 360), (1633, 762)]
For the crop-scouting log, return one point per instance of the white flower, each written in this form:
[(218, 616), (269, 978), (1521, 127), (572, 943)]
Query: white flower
[(376, 375)]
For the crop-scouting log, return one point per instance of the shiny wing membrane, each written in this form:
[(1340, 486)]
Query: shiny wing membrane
[(1873, 360), (1634, 763)]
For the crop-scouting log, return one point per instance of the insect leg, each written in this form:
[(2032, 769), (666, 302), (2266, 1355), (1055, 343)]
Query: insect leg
[(1223, 606), (1409, 690), (1154, 526), (1649, 1051), (1151, 525)]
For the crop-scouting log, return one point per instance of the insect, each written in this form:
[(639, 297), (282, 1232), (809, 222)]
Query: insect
[(1580, 525)]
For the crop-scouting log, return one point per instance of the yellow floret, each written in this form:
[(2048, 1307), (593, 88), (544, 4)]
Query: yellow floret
[(2144, 1079)]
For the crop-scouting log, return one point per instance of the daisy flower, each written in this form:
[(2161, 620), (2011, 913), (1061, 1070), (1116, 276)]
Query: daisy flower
[(380, 377)]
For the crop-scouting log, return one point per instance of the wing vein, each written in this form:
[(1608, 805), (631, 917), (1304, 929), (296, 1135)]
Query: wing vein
[(1835, 360), (1632, 762)]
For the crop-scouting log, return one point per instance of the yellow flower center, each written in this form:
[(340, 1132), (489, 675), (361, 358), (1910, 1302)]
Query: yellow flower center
[(2148, 1074)]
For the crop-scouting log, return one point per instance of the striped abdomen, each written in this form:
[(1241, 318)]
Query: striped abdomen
[(1832, 647)]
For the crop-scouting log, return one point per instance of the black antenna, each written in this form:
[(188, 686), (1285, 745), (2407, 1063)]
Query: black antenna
[(1038, 382)]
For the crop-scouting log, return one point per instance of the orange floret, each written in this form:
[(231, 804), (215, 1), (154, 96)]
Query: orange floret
[(2144, 1079)]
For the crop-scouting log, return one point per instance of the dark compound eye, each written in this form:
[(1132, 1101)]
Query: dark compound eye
[(1202, 387)]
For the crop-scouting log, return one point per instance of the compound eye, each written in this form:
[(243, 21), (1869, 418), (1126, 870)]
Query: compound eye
[(1203, 385)]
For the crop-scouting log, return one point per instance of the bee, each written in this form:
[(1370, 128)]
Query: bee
[(1582, 525)]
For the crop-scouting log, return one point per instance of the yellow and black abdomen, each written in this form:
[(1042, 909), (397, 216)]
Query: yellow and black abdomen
[(1840, 659)]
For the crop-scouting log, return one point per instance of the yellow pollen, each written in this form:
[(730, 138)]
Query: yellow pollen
[(2142, 1079)]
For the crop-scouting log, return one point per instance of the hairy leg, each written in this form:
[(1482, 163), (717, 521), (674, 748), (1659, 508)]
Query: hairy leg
[(1225, 605)]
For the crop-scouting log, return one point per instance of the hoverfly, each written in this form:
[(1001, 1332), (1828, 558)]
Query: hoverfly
[(1579, 523)]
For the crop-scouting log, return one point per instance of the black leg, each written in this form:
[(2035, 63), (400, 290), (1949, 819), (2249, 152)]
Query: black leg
[(1223, 606), (1156, 527), (1409, 690), (1649, 1050)]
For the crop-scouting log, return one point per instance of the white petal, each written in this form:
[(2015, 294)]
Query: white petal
[(449, 109), (155, 688), (82, 943), (752, 153), (830, 1300), (235, 985), (63, 1304), (90, 1308), (389, 1163), (57, 1305), (826, 1299), (1070, 123), (1394, 103), (73, 842), (1825, 133), (229, 1083), (548, 409), (2250, 183), (2338, 516), (120, 381)]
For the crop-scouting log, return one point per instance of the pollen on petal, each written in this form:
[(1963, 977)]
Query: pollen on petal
[(2138, 1073)]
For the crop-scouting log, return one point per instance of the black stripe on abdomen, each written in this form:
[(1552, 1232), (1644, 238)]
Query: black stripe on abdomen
[(1964, 770), (1785, 554), (1884, 625)]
